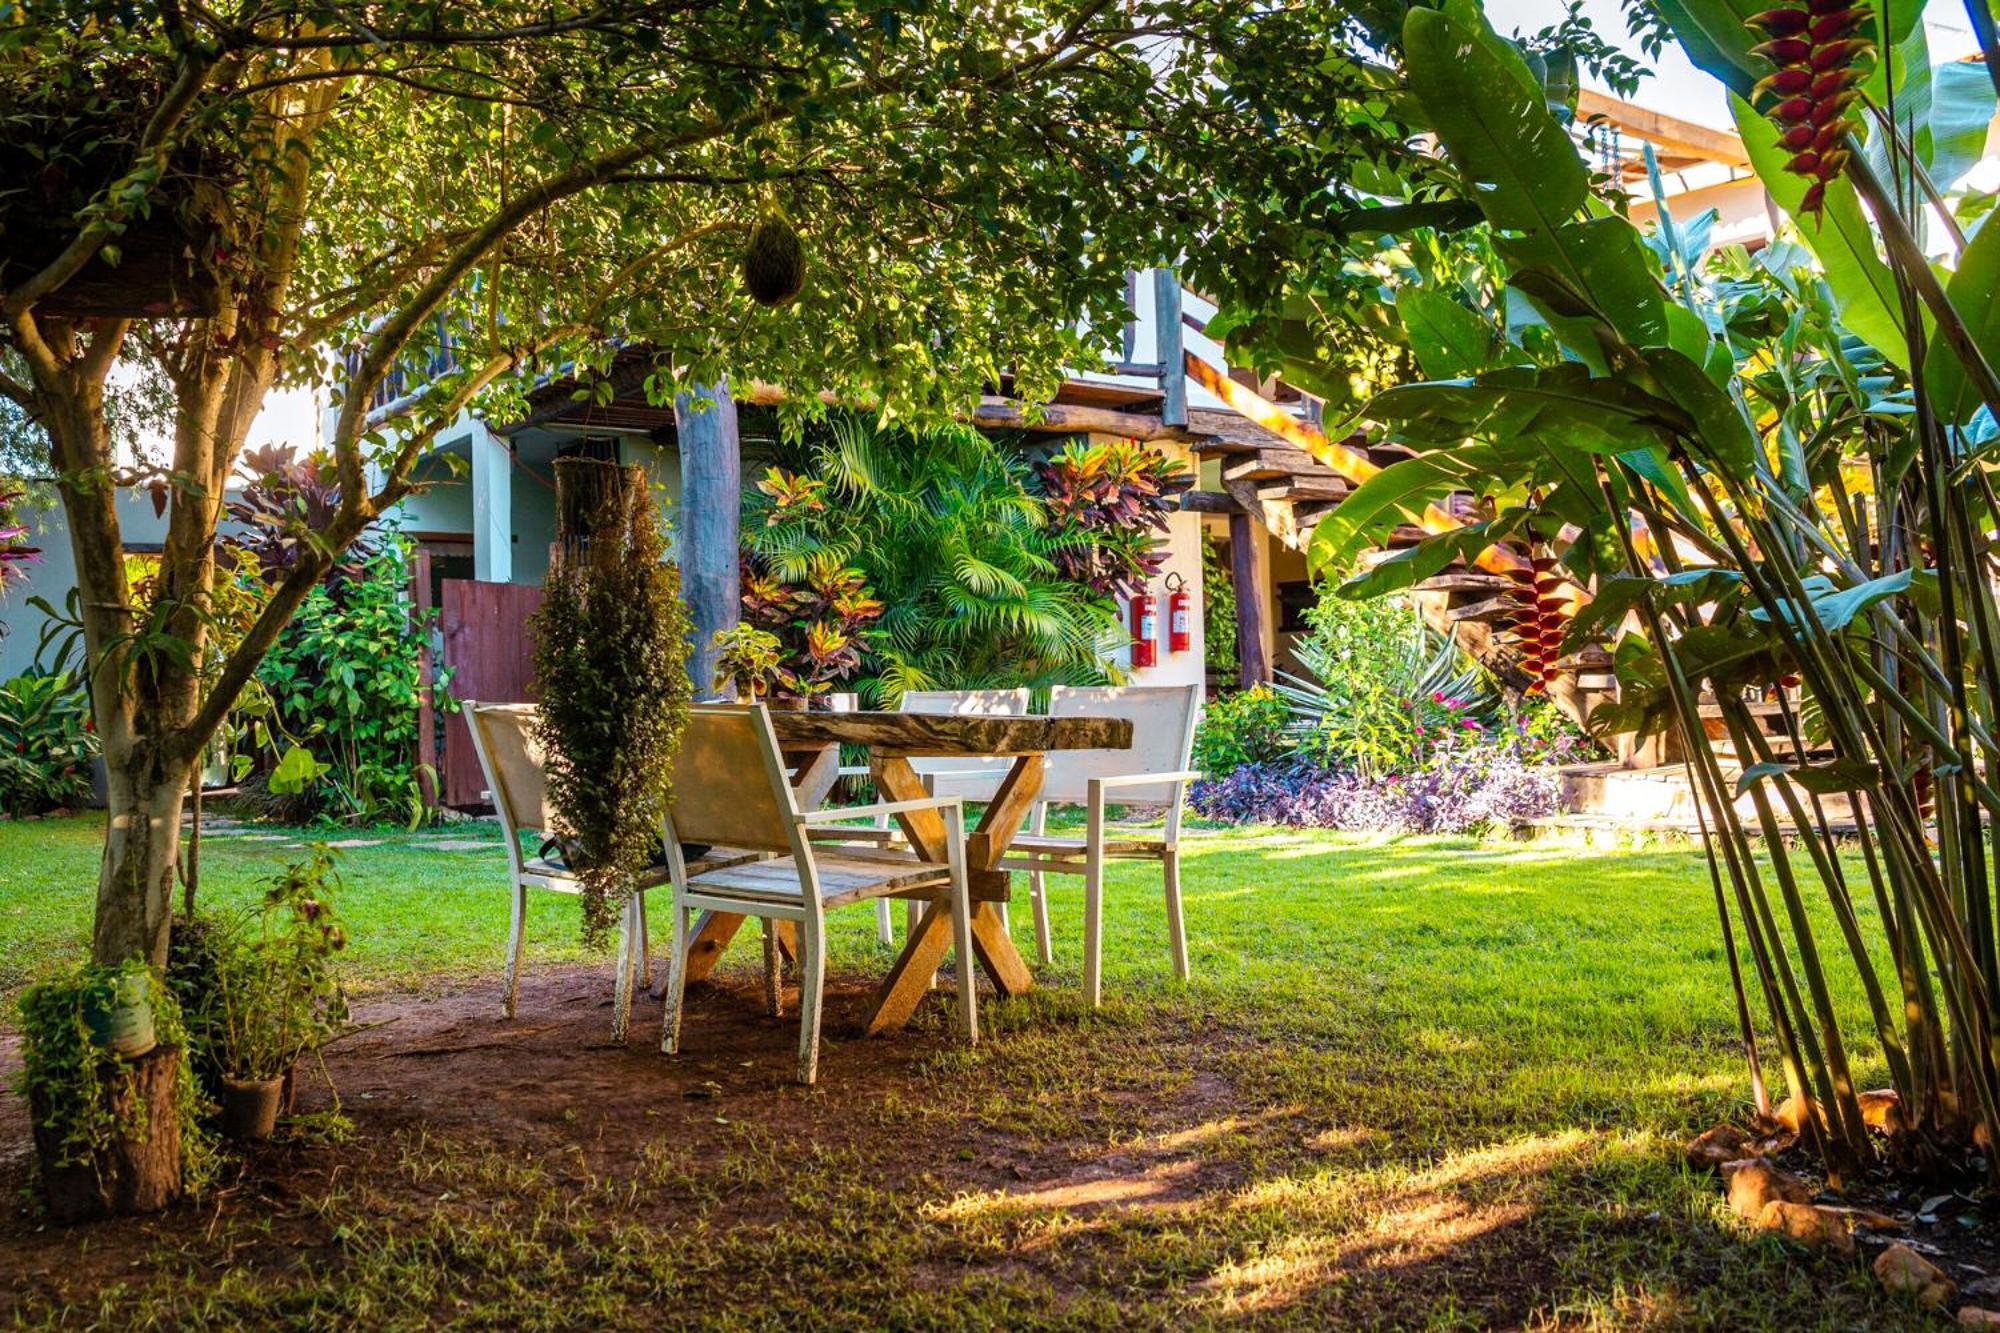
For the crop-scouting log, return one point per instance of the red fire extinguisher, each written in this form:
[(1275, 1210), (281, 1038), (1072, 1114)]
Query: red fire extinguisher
[(1180, 635), (1145, 630)]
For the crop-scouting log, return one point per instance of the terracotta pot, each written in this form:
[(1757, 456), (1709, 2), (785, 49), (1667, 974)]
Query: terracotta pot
[(250, 1106)]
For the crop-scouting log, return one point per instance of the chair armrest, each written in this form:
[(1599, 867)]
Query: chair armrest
[(823, 817), (1143, 780)]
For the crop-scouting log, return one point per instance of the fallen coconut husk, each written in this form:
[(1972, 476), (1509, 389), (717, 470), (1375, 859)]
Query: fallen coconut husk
[(1809, 1224), (1753, 1182), (1718, 1145), (1882, 1109), (1901, 1269)]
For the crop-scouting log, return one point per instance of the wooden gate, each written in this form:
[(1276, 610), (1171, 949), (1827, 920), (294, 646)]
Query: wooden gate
[(491, 655)]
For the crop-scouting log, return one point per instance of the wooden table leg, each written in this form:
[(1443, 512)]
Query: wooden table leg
[(712, 933), (909, 980)]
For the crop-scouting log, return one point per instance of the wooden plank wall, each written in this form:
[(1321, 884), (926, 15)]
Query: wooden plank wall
[(491, 655)]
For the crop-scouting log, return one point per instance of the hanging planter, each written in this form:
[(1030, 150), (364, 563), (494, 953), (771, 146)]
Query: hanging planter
[(166, 259)]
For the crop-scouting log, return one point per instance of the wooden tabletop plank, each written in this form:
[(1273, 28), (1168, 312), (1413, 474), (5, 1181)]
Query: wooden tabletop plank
[(953, 733)]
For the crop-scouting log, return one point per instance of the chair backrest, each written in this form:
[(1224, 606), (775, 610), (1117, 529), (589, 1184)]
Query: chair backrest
[(730, 785), (503, 736), (1163, 718), (970, 776)]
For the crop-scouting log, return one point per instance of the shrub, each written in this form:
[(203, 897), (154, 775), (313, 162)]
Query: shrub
[(1218, 609), (46, 744), (1249, 727), (1463, 789), (1391, 687), (345, 681), (611, 650), (1108, 504), (989, 572)]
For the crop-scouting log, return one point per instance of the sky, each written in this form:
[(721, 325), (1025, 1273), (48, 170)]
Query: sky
[(1676, 86)]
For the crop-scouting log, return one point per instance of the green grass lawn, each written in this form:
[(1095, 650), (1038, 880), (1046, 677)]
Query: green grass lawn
[(1414, 1083)]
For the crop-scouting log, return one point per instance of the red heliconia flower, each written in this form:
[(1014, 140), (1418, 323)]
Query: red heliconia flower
[(1821, 50)]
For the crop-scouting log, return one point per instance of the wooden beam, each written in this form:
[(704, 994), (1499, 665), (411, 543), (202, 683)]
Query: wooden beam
[(1167, 333), (997, 413), (1210, 502), (1246, 574), (711, 501), (1349, 463), (1663, 130)]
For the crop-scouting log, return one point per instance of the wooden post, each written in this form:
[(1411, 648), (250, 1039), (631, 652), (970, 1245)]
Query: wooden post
[(427, 755), (1168, 338), (1246, 573), (711, 500)]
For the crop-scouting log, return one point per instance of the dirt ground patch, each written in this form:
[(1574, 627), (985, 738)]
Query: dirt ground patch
[(461, 1119)]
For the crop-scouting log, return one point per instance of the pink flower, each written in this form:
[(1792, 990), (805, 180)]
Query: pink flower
[(1470, 724), (1437, 696)]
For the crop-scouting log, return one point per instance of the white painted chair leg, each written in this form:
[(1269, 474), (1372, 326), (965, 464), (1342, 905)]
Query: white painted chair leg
[(645, 946), (670, 1028), (1093, 904), (515, 931), (621, 998), (1038, 893), (774, 986), (1176, 928), (885, 930), (961, 941), (812, 979)]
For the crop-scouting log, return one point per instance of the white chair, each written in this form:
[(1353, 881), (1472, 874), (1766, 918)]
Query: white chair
[(730, 789), (1153, 772), (968, 777), (512, 760), (848, 702)]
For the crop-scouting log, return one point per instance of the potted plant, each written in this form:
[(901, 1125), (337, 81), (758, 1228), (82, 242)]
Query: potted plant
[(275, 998), (747, 661), (111, 1102)]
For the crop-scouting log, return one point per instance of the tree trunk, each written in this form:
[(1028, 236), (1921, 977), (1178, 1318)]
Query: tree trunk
[(136, 1173), (142, 839)]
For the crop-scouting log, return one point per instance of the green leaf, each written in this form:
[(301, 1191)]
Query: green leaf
[(1722, 438), (1555, 405), (1615, 597), (1604, 261), (296, 771), (1518, 164), (1397, 492), (1975, 293), (1449, 340), (1836, 610), (1864, 291)]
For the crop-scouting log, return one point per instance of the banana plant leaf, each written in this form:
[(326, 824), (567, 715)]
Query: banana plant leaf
[(1560, 405), (1974, 290), (1518, 164), (1449, 340)]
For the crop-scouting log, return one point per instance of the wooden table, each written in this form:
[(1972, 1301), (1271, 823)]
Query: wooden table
[(893, 739)]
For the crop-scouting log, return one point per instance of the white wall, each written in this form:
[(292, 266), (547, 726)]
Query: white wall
[(1183, 541), (54, 574)]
